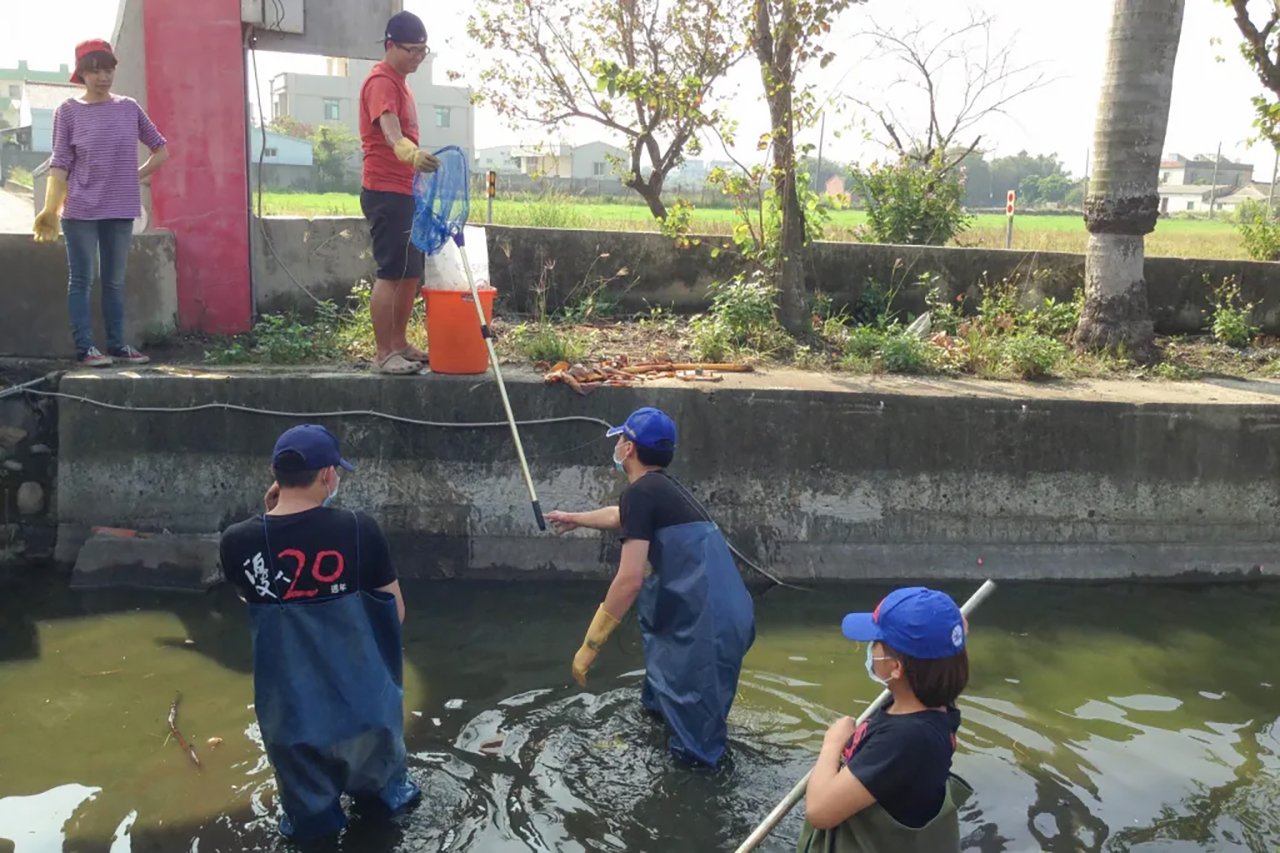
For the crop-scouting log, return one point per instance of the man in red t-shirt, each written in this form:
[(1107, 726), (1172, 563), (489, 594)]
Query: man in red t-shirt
[(389, 138)]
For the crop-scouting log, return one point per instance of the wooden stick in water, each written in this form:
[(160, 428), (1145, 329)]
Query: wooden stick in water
[(177, 735)]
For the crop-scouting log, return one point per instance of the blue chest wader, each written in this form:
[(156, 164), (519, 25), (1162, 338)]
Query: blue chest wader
[(697, 621), (328, 691)]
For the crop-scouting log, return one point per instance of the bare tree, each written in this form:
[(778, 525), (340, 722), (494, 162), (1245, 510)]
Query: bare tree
[(949, 82), (644, 70), (788, 37), (1261, 49), (1122, 204)]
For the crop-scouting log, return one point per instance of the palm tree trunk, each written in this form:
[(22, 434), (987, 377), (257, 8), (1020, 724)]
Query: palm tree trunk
[(1122, 204)]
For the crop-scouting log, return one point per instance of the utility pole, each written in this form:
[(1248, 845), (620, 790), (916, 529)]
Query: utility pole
[(822, 136), (1213, 188), (1271, 193)]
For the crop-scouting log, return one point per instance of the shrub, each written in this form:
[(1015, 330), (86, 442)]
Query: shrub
[(1230, 317), (1031, 355), (545, 342), (910, 203), (903, 352), (1260, 231)]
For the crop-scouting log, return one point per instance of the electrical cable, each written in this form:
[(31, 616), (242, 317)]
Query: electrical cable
[(14, 389), (254, 410), (371, 413), (262, 154)]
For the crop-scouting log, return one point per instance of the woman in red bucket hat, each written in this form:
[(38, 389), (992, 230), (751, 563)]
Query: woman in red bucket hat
[(94, 179)]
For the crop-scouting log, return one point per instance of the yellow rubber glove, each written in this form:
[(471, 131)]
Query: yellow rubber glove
[(602, 625), (46, 225), (421, 161)]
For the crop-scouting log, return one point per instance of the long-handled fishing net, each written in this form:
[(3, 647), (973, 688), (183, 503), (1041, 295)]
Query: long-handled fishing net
[(442, 203)]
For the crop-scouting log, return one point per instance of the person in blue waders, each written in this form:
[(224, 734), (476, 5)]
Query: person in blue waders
[(326, 610), (696, 616)]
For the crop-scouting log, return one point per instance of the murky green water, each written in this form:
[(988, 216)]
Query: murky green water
[(1099, 718)]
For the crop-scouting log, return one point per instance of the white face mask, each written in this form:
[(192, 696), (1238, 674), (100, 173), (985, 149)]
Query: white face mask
[(337, 481), (617, 463), (871, 667)]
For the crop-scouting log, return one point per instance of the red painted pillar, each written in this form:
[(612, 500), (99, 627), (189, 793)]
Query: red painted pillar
[(196, 96)]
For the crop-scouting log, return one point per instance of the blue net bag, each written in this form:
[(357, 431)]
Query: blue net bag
[(441, 201)]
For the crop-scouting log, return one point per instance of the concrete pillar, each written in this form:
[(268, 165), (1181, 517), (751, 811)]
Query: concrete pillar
[(194, 78)]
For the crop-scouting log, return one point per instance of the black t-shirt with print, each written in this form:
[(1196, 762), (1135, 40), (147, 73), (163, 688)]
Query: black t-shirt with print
[(653, 502), (904, 761), (313, 555)]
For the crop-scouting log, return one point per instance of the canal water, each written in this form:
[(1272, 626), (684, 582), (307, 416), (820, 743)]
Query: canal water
[(1099, 718)]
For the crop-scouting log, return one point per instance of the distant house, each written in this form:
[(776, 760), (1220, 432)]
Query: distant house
[(835, 186), (560, 160), (1198, 184), (1179, 170), (596, 160), (13, 83), (1259, 192), (1189, 198), (287, 162), (445, 113), (496, 159), (39, 102)]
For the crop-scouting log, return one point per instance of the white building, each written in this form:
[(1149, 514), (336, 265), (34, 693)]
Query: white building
[(286, 161), (36, 109), (13, 82), (593, 160), (445, 113), (498, 159), (1179, 170)]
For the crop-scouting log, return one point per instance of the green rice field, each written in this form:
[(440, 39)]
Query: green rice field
[(1066, 233)]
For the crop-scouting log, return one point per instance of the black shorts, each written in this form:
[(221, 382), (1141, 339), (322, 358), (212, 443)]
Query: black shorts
[(390, 217)]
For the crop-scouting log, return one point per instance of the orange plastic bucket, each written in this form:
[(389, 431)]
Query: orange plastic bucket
[(454, 344)]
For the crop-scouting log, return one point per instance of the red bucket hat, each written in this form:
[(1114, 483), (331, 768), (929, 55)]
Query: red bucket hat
[(85, 48)]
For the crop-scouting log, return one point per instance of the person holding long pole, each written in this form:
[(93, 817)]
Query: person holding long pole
[(886, 784), (695, 612)]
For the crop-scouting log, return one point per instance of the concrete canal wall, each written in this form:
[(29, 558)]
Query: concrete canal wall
[(836, 481)]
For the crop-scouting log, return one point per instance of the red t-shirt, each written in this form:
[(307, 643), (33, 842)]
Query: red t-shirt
[(385, 91)]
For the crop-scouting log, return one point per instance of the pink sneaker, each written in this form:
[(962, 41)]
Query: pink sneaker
[(129, 355), (93, 357)]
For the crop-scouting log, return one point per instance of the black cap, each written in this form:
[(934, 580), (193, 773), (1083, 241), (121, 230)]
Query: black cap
[(406, 28)]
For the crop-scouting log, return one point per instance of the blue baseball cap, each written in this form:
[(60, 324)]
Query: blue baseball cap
[(917, 621), (406, 28), (648, 427), (317, 447)]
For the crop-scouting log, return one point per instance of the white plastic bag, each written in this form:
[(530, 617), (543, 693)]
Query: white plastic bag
[(443, 270)]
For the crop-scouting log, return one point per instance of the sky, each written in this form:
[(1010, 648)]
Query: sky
[(1210, 97)]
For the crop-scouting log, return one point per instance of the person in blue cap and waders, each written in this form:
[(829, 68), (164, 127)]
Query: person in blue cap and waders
[(886, 786), (696, 616), (326, 610)]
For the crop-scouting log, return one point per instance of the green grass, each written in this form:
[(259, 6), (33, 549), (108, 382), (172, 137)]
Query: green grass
[(1193, 238), (21, 177)]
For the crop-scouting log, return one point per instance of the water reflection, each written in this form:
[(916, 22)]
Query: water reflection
[(1099, 719)]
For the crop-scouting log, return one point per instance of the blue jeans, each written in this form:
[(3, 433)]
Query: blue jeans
[(110, 240)]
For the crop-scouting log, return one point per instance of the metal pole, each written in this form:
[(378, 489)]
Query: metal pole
[(502, 386), (797, 793), (822, 136), (491, 189), (1271, 193), (1213, 185), (1008, 233)]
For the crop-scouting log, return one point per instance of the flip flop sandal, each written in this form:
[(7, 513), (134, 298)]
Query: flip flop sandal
[(397, 365)]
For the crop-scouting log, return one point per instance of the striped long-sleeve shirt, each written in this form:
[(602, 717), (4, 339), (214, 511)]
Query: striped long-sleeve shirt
[(97, 144)]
